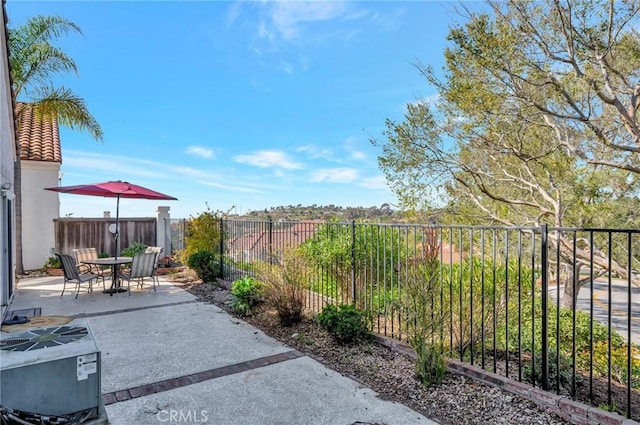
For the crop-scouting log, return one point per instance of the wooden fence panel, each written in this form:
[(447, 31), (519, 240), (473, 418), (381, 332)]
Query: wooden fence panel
[(71, 233)]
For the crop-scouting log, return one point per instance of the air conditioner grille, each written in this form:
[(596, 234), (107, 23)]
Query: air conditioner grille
[(43, 338)]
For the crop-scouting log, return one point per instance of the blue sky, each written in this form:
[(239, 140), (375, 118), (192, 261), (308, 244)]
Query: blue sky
[(245, 104)]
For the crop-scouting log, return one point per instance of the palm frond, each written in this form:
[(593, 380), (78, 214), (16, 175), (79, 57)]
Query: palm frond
[(34, 59), (69, 109)]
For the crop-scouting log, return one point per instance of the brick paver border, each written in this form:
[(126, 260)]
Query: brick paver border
[(128, 310), (182, 381)]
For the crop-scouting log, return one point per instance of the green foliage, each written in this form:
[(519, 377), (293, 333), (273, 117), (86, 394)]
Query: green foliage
[(36, 62), (564, 372), (202, 233), (345, 322), (133, 249), (583, 329), (205, 264), (470, 295), (423, 317), (431, 364), (285, 286), (338, 247), (247, 293), (52, 263)]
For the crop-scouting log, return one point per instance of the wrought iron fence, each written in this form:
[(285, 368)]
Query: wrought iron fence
[(555, 307), (177, 230)]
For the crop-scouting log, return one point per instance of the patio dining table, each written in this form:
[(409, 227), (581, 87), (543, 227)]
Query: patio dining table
[(115, 263)]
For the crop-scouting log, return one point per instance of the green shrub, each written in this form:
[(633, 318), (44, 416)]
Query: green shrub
[(247, 293), (583, 328), (285, 286), (133, 249), (205, 264), (202, 233), (423, 312), (52, 263), (565, 372), (345, 322), (431, 364)]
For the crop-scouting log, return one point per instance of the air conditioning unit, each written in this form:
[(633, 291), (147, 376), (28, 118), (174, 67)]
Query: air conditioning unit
[(51, 375)]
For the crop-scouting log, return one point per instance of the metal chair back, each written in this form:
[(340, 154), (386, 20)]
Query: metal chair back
[(85, 254), (69, 267), (143, 265), (158, 251)]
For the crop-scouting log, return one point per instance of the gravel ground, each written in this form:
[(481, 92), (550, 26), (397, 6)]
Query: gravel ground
[(458, 400)]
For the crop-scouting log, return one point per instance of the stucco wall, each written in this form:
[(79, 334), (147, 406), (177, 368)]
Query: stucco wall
[(7, 145), (39, 208), (7, 157)]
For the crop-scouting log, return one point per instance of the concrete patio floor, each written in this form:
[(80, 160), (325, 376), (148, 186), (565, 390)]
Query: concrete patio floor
[(166, 357)]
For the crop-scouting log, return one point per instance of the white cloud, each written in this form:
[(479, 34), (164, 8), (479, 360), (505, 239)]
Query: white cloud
[(287, 67), (289, 16), (267, 159), (335, 175), (200, 151), (351, 146), (378, 182), (191, 172), (315, 152), (232, 188), (233, 13), (358, 155), (115, 165)]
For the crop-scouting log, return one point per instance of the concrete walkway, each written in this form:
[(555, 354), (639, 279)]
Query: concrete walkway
[(167, 358)]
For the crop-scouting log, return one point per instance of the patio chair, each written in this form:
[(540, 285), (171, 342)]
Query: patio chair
[(158, 251), (142, 266), (82, 254), (73, 275)]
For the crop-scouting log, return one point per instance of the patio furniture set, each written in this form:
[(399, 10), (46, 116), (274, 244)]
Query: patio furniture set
[(86, 267)]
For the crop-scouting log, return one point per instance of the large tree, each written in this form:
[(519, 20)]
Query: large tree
[(536, 122), (35, 64)]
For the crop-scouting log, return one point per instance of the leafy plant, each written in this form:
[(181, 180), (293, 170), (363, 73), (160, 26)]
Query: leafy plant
[(247, 293), (564, 372), (133, 249), (423, 317), (52, 263), (336, 248), (202, 233), (205, 264), (431, 365), (345, 322), (562, 320), (285, 286)]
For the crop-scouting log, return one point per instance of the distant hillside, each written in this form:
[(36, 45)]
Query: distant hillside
[(383, 213)]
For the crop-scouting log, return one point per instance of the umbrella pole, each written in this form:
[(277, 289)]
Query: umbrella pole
[(117, 225)]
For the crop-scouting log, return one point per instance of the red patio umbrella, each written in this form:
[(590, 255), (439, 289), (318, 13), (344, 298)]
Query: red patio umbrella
[(113, 189)]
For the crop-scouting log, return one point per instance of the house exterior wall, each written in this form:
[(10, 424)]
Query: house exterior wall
[(7, 159), (39, 208)]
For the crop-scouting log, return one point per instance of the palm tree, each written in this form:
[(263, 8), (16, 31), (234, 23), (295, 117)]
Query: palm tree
[(35, 61)]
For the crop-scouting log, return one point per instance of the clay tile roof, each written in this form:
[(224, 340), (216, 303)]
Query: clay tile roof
[(38, 137)]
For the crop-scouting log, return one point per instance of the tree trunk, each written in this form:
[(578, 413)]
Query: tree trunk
[(570, 279), (17, 189)]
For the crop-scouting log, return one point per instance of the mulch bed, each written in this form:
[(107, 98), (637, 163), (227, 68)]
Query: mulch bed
[(457, 400)]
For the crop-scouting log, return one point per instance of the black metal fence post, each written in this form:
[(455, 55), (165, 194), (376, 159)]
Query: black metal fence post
[(270, 238), (222, 248), (353, 262), (543, 294)]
